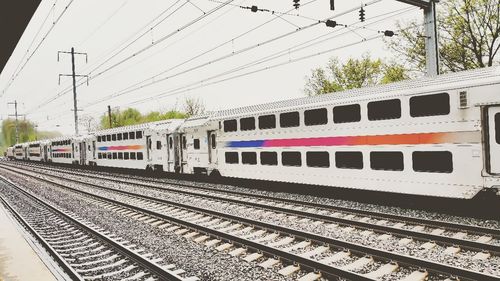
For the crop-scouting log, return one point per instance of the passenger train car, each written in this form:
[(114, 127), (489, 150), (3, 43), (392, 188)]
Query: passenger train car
[(435, 136)]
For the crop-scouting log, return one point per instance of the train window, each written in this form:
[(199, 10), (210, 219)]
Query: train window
[(132, 155), (387, 161), (430, 105), (115, 155), (158, 145), (131, 135), (108, 138), (384, 110), (249, 158), (433, 161), (269, 158), (196, 143), (289, 119), (138, 135), (291, 158), (267, 122), (98, 138), (119, 136), (126, 155), (184, 142), (171, 142), (120, 155), (247, 124), (113, 137), (125, 136), (497, 127), (316, 117), (232, 157), (99, 155), (319, 159), (214, 141), (110, 156), (349, 160), (347, 113), (139, 156), (230, 126)]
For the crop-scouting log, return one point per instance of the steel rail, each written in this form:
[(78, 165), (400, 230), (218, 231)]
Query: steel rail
[(438, 268), (153, 268)]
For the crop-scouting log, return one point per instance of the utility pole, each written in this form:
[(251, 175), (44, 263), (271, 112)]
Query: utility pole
[(74, 75), (109, 116), (16, 116), (431, 34)]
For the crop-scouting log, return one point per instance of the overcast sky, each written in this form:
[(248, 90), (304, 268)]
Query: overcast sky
[(103, 28)]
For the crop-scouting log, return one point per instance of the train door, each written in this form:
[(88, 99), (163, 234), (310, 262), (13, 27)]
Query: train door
[(172, 161), (182, 141), (149, 145), (212, 147), (83, 152), (45, 153), (494, 139)]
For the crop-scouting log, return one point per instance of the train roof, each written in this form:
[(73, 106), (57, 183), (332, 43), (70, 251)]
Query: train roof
[(431, 83), (142, 126)]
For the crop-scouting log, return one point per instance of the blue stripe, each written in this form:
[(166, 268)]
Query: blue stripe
[(252, 143)]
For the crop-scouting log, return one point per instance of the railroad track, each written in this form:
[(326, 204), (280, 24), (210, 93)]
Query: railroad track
[(450, 234), (81, 249), (257, 240)]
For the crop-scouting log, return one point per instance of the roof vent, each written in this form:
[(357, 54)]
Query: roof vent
[(464, 101)]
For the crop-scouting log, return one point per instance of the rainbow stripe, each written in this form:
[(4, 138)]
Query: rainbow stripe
[(120, 147), (61, 150), (398, 139)]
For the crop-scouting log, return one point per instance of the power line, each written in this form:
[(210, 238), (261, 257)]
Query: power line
[(234, 53), (145, 48), (36, 48), (180, 91)]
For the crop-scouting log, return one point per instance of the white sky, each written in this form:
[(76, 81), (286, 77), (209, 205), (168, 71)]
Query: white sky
[(98, 27)]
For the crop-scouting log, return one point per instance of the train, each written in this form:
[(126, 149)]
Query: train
[(433, 136)]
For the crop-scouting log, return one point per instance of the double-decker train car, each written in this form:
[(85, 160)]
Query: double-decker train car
[(63, 150), (434, 136), (10, 153), (21, 151)]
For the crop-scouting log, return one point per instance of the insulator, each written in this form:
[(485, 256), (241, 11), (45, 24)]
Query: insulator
[(389, 33), (254, 9), (331, 23)]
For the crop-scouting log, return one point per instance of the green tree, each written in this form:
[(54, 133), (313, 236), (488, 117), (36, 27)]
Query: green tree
[(27, 132), (132, 116), (469, 36), (355, 73)]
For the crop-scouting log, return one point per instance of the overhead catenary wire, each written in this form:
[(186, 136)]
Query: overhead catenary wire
[(192, 86), (91, 77), (229, 55), (16, 74)]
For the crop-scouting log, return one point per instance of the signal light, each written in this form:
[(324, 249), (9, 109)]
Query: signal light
[(331, 23), (362, 14), (296, 4), (389, 33)]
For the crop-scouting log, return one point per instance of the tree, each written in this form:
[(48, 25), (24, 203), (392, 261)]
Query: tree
[(193, 106), (469, 36), (27, 132), (132, 116), (355, 73)]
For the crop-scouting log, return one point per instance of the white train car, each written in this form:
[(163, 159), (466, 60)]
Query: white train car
[(124, 147), (197, 145), (163, 145), (63, 150), (21, 151), (10, 153), (35, 152), (436, 136)]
